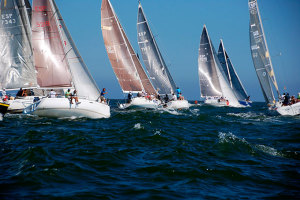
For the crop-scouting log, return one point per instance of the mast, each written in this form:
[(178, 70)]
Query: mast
[(156, 67), (260, 54), (16, 61)]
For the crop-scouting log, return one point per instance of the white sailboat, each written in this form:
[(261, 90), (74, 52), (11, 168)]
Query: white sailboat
[(16, 56), (214, 85), (155, 64), (60, 66), (233, 78), (125, 63), (263, 65)]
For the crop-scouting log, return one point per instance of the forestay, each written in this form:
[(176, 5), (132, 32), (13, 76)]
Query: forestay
[(156, 67), (260, 54), (16, 56)]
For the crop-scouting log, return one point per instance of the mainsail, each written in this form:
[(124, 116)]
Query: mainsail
[(231, 74), (16, 56), (156, 67), (49, 56), (209, 81), (126, 65), (260, 54)]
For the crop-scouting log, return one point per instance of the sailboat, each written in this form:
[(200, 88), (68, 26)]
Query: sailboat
[(214, 85), (155, 64), (263, 65), (233, 78), (124, 61), (16, 63), (59, 66)]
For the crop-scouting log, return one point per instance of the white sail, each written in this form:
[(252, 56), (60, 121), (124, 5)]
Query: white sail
[(84, 83), (16, 56)]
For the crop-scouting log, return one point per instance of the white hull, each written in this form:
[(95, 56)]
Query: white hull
[(215, 102), (18, 105), (61, 108), (141, 102), (291, 110), (178, 104)]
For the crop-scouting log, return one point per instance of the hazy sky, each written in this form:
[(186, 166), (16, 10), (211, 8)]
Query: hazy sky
[(177, 26)]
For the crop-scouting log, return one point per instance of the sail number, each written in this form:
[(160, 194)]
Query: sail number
[(43, 24), (7, 19), (203, 58), (141, 34), (40, 8)]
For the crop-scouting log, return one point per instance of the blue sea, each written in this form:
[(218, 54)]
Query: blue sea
[(201, 153)]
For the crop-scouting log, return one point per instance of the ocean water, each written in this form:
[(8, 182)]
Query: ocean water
[(201, 153)]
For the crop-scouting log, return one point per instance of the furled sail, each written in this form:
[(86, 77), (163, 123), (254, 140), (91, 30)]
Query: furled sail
[(231, 74), (209, 81), (260, 54), (120, 53), (16, 56), (156, 67), (49, 56), (83, 81)]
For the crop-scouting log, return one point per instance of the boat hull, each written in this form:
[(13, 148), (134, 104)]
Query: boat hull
[(18, 105), (61, 108), (215, 102), (3, 108), (141, 102), (291, 110), (178, 104), (245, 103)]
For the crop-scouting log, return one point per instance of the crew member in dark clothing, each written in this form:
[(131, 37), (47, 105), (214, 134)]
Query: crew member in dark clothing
[(129, 97), (166, 98)]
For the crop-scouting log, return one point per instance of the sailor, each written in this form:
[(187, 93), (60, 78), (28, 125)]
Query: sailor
[(68, 93), (4, 97), (20, 93), (174, 98), (74, 96), (178, 91), (52, 94), (166, 98), (286, 100), (129, 97), (298, 98), (248, 98), (103, 92)]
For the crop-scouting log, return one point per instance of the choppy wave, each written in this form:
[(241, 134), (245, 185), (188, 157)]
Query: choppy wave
[(229, 153)]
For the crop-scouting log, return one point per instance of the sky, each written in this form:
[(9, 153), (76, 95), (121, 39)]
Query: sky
[(177, 26)]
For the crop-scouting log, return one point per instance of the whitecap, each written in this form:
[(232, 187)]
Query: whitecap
[(268, 150), (138, 126)]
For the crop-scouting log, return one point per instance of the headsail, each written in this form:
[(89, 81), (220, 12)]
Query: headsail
[(49, 56), (260, 54), (231, 74), (16, 57), (83, 81), (124, 61), (156, 67), (209, 81)]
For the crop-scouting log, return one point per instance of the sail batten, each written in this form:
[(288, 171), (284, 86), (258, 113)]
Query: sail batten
[(156, 67), (260, 54), (16, 56)]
